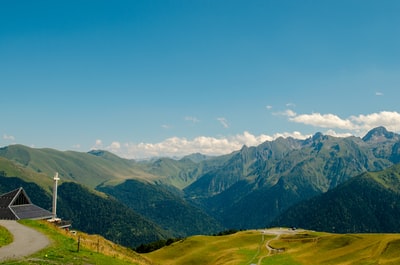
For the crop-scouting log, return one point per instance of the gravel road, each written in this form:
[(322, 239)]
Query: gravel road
[(26, 241)]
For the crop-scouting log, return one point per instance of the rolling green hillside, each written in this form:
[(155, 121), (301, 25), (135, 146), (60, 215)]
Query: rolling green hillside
[(99, 167), (89, 169), (305, 247), (93, 249), (246, 247), (10, 168), (164, 207), (115, 221), (183, 172), (366, 203)]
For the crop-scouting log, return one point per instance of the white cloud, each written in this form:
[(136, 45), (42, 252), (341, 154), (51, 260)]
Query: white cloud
[(355, 125), (76, 146), (98, 145), (252, 140), (223, 122), (288, 113), (8, 137), (192, 119), (378, 94), (114, 147), (295, 134), (336, 134), (323, 121), (176, 146), (389, 119), (268, 107), (290, 105)]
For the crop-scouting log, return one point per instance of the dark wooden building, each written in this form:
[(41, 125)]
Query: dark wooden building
[(16, 205)]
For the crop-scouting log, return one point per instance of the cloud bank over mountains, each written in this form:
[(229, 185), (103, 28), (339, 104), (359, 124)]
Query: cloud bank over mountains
[(357, 124), (330, 124)]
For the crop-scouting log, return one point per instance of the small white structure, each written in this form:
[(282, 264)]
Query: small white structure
[(54, 217)]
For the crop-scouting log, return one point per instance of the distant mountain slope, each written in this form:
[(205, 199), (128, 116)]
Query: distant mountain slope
[(90, 169), (183, 172), (384, 144), (256, 184), (366, 203), (112, 219), (164, 207), (10, 168), (98, 167)]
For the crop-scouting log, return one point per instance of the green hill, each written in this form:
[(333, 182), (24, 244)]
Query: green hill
[(305, 247), (10, 168), (93, 249), (245, 247), (183, 172), (369, 202), (164, 206), (112, 219), (89, 169)]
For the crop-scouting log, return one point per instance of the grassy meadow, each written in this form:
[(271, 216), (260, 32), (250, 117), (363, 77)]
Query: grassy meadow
[(93, 249), (245, 248), (324, 248), (240, 248), (306, 247)]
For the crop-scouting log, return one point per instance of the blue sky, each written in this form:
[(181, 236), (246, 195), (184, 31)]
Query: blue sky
[(154, 78)]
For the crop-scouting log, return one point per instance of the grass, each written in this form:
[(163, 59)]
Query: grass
[(64, 249), (5, 236), (15, 170), (248, 247), (239, 248), (342, 249), (281, 259), (245, 247)]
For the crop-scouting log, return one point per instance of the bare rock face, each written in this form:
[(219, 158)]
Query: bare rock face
[(380, 134)]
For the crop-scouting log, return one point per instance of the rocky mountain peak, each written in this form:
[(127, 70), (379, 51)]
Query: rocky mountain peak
[(379, 134), (317, 136)]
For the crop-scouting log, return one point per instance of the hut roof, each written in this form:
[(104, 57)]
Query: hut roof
[(16, 205)]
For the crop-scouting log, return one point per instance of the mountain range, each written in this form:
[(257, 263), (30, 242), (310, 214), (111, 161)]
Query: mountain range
[(369, 203), (309, 183)]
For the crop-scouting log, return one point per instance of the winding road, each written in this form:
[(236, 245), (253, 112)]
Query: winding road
[(26, 241)]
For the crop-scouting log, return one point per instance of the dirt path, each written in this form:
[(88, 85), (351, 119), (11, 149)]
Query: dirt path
[(26, 241), (277, 233), (268, 248)]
